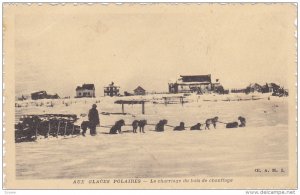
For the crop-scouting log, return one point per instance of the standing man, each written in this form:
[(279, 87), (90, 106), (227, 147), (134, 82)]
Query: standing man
[(93, 119)]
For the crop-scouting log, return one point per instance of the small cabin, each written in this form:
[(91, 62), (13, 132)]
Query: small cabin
[(86, 90), (254, 87), (39, 95), (139, 91), (270, 88), (43, 95)]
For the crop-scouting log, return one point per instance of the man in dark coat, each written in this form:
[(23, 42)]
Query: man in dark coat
[(93, 119)]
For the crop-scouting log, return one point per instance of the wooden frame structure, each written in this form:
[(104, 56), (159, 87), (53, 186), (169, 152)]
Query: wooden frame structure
[(122, 102)]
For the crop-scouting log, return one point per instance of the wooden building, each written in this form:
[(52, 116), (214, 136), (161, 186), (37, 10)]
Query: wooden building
[(112, 90), (86, 90), (270, 88), (43, 95), (254, 87), (218, 88), (192, 83), (139, 91)]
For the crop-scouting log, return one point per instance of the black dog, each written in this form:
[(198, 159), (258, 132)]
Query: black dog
[(180, 127), (117, 127), (84, 125), (243, 121), (135, 124), (160, 125), (232, 125), (196, 127), (142, 124)]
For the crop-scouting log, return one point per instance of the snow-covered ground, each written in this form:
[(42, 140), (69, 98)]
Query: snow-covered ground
[(216, 152)]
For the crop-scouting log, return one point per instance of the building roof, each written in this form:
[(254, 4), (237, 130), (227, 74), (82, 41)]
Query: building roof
[(86, 86), (254, 85), (139, 88), (39, 92), (274, 85), (196, 78), (192, 83)]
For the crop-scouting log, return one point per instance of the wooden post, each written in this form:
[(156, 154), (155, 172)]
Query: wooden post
[(66, 128), (123, 108), (143, 107), (36, 130), (72, 130), (58, 129), (165, 101), (181, 100), (48, 129)]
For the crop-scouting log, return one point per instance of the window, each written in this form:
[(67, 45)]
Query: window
[(79, 93)]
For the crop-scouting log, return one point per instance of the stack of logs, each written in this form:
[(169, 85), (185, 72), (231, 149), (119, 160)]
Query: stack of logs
[(32, 126)]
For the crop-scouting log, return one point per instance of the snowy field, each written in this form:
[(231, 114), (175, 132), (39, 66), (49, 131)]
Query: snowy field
[(216, 152)]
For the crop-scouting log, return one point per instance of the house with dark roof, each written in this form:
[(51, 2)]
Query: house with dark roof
[(139, 91), (86, 90), (254, 87), (270, 88), (192, 83)]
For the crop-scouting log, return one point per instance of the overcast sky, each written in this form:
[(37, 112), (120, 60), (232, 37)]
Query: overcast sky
[(59, 48)]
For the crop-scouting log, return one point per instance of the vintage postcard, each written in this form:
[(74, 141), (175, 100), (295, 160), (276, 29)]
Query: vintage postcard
[(150, 96)]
